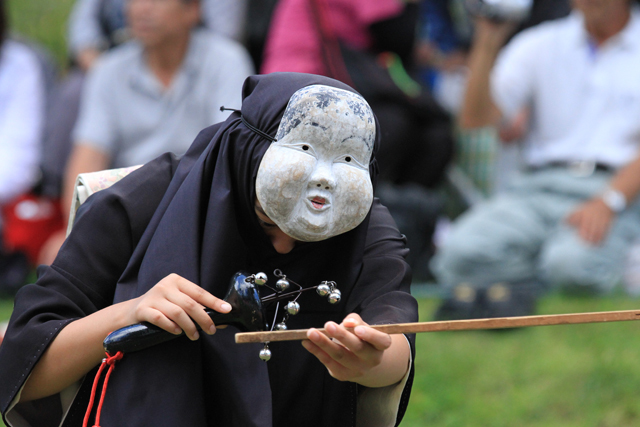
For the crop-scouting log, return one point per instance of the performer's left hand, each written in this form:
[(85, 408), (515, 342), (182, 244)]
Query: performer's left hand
[(360, 354)]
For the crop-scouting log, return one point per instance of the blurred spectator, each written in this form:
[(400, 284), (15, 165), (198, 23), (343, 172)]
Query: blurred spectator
[(444, 37), (445, 34), (96, 26), (570, 216), (22, 108), (416, 143), (153, 94)]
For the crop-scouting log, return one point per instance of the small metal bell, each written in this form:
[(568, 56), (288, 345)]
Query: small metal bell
[(334, 297), (293, 308), (281, 326), (260, 279), (323, 290), (265, 354), (282, 284)]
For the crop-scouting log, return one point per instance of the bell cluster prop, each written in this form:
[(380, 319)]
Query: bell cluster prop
[(247, 312), (282, 292)]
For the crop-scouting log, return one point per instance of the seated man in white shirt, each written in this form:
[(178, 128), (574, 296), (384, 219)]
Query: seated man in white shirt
[(569, 218), (154, 94)]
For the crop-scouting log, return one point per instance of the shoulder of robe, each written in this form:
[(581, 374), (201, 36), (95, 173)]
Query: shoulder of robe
[(137, 195)]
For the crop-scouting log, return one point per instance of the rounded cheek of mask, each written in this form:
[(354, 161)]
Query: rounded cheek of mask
[(281, 181), (353, 201)]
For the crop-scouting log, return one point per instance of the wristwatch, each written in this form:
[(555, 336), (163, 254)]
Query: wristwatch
[(614, 199)]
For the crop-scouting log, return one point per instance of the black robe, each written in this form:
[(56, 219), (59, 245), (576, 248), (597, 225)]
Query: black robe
[(194, 216)]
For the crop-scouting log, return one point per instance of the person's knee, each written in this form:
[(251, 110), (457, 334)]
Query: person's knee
[(458, 259), (578, 269), (560, 267)]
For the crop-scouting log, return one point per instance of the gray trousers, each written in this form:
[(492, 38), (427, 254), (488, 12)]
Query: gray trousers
[(520, 236)]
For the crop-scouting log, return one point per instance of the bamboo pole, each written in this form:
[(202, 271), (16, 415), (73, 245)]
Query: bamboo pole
[(457, 325)]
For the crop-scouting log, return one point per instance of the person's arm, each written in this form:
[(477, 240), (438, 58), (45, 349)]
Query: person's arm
[(87, 57), (364, 356), (174, 304), (478, 108), (593, 218)]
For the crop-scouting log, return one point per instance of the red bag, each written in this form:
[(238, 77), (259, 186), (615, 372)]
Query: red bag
[(28, 221)]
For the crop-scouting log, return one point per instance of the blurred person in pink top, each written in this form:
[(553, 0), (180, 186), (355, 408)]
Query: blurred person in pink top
[(293, 43), (416, 143)]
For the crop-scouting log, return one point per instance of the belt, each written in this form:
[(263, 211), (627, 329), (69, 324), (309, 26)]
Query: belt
[(579, 168)]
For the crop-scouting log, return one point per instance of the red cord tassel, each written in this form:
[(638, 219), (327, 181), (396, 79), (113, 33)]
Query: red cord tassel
[(111, 361)]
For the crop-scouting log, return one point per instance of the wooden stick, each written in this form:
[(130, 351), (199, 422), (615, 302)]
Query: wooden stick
[(457, 325)]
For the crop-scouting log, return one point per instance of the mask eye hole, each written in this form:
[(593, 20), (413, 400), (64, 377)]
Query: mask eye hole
[(302, 146), (351, 161)]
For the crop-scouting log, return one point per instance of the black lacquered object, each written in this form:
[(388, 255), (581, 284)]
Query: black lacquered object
[(246, 314)]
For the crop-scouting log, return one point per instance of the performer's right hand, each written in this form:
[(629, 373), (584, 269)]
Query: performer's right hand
[(174, 304)]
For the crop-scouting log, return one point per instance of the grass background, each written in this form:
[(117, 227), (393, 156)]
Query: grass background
[(574, 375), (43, 21), (564, 376)]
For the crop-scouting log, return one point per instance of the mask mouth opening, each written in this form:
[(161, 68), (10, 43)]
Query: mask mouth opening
[(319, 203)]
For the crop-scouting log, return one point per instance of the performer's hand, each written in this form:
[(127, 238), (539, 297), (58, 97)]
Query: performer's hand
[(362, 354), (174, 303), (592, 220)]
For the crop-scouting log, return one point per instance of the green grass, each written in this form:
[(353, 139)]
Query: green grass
[(549, 376), (6, 306), (43, 21), (574, 375)]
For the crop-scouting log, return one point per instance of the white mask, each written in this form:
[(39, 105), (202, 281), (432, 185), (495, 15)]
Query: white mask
[(314, 182)]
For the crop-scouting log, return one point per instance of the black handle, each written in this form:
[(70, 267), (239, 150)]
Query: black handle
[(136, 337), (144, 335), (246, 314)]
